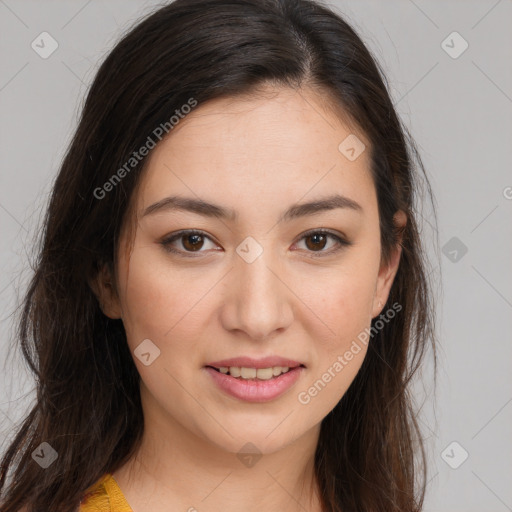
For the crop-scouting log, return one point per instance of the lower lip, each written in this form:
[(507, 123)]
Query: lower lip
[(254, 390)]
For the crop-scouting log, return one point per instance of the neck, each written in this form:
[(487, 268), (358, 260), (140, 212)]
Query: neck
[(175, 469)]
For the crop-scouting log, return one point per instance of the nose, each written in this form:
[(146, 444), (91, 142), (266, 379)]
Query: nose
[(259, 300)]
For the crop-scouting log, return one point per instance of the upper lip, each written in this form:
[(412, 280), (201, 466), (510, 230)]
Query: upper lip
[(249, 362)]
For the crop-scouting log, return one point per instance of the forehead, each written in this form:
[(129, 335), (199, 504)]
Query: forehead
[(277, 146)]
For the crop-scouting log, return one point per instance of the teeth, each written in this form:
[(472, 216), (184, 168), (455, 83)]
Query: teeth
[(253, 373), (264, 373), (248, 373), (276, 371)]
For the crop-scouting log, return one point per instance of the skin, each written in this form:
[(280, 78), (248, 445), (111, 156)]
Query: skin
[(257, 155)]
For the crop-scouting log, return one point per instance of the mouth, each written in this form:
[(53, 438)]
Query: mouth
[(250, 384), (250, 373)]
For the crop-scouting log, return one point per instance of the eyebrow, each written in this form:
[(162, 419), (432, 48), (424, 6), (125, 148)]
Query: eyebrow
[(212, 210)]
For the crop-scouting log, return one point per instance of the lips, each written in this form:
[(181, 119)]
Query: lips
[(254, 390), (249, 362)]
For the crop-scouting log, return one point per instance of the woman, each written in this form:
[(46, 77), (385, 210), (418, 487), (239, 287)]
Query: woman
[(231, 297)]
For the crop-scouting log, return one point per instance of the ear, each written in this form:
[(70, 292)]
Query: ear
[(104, 289), (387, 272)]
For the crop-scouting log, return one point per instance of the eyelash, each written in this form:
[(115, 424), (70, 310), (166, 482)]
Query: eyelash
[(342, 243)]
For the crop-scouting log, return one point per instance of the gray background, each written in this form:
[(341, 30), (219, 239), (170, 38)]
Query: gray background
[(459, 112)]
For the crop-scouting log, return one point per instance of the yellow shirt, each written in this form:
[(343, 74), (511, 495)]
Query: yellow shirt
[(104, 496)]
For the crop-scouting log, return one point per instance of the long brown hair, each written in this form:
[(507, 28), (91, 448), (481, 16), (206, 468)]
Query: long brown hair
[(370, 454)]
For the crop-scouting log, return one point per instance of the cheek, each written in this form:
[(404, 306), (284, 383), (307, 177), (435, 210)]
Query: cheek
[(156, 297), (345, 307), (342, 300), (163, 304)]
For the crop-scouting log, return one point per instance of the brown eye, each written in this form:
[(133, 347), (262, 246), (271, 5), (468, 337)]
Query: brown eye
[(318, 241), (192, 242), (185, 243), (323, 243)]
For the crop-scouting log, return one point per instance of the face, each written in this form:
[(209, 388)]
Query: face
[(259, 276)]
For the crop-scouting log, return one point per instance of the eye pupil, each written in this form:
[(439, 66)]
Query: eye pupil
[(193, 239), (319, 238)]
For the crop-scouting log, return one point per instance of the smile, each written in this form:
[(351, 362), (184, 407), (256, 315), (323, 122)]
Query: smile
[(253, 373), (254, 385)]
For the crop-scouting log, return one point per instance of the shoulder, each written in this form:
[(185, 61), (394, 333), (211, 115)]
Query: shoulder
[(96, 498), (102, 496)]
